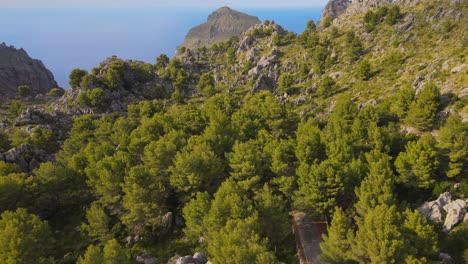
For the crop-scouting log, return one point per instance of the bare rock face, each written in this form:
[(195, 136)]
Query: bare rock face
[(455, 212), (197, 258), (221, 25), (146, 258), (334, 8), (361, 6), (17, 68), (433, 210), (26, 156)]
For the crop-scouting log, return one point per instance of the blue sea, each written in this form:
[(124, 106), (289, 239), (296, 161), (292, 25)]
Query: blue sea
[(65, 39)]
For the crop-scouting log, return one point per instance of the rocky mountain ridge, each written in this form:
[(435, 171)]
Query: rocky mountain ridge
[(220, 26), (18, 68)]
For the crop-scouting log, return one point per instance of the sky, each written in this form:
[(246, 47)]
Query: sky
[(68, 34), (157, 3)]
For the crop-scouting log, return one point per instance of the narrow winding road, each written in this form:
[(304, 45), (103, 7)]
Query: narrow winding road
[(308, 237)]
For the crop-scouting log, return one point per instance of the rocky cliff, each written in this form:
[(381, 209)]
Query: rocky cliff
[(221, 25), (334, 8), (17, 68)]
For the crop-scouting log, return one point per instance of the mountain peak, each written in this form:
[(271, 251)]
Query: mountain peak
[(17, 68), (223, 9), (221, 25)]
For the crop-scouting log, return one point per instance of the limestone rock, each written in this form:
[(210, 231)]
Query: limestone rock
[(221, 25), (264, 82), (146, 258), (455, 212), (197, 258), (433, 210), (334, 8), (26, 156), (17, 68), (362, 6), (459, 68)]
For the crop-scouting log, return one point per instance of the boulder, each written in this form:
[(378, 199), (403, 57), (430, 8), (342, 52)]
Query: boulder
[(459, 68), (264, 82), (455, 213), (197, 258), (146, 258), (245, 43), (433, 210), (445, 258)]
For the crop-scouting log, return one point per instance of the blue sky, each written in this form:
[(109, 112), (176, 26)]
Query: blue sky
[(157, 3)]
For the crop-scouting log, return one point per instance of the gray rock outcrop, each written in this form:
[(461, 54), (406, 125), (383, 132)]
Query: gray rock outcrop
[(454, 212), (221, 25), (146, 258), (362, 6), (197, 258), (433, 210), (333, 9), (17, 68), (336, 8), (26, 156)]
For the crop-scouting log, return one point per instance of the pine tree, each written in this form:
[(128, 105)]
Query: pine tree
[(196, 168), (239, 242), (106, 177), (24, 238), (378, 238), (114, 254), (98, 226), (335, 246), (310, 147), (319, 187), (421, 237), (423, 111), (417, 165), (376, 188), (246, 162), (144, 197), (273, 215), (194, 212), (93, 255), (454, 143)]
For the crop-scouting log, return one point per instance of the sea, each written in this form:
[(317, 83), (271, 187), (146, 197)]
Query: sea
[(64, 39)]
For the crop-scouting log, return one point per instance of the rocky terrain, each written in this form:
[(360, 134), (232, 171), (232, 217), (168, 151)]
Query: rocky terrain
[(220, 26), (17, 68), (333, 9), (367, 115)]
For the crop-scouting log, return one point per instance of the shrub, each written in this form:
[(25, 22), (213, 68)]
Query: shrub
[(76, 76), (286, 81), (393, 15), (364, 70), (56, 92), (327, 21), (24, 91), (16, 107)]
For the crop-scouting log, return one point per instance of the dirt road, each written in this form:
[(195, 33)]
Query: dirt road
[(308, 237)]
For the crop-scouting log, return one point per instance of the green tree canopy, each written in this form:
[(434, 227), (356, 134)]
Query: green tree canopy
[(418, 164), (76, 75), (422, 112), (24, 237), (335, 246), (454, 144)]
